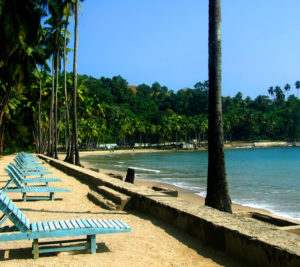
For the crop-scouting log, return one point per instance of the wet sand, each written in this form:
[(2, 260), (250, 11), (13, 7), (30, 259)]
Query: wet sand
[(151, 242)]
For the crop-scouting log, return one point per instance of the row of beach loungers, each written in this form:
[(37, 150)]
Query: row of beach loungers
[(27, 165)]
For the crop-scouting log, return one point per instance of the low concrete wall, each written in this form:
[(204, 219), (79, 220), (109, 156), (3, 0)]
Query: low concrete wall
[(254, 242), (272, 144)]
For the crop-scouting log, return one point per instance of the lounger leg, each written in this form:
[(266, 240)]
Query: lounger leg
[(35, 247), (24, 196), (52, 195), (92, 243)]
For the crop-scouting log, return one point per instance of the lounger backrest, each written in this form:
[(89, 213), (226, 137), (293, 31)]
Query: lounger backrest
[(26, 157), (14, 177), (16, 170), (18, 162), (16, 216), (22, 161)]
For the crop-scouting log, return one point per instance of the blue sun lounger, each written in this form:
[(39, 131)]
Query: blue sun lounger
[(28, 161), (30, 166), (31, 189), (23, 176), (31, 171), (14, 172), (27, 158), (23, 229)]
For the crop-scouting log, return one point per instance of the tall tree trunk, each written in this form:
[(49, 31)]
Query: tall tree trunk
[(71, 157), (4, 102), (217, 188), (3, 105), (75, 134), (35, 131), (35, 138), (68, 135), (140, 140), (40, 116), (44, 146), (2, 128), (50, 137), (55, 108)]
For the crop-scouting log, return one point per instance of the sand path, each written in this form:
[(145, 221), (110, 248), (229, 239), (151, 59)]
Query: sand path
[(150, 243)]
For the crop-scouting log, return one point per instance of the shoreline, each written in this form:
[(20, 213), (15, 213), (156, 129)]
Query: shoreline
[(184, 193), (227, 146), (256, 234)]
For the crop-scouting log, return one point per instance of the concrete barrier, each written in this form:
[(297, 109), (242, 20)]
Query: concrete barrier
[(254, 242)]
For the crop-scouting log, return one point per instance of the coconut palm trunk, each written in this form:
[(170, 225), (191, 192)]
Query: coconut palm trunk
[(50, 137), (40, 116), (3, 105), (2, 130), (4, 102), (75, 134), (55, 110), (68, 135), (217, 188)]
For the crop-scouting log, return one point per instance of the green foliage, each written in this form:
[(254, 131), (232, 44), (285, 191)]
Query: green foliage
[(110, 112)]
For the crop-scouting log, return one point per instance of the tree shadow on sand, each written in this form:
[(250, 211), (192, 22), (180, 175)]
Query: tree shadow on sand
[(26, 253), (190, 241)]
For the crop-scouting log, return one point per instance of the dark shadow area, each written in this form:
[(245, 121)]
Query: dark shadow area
[(196, 244), (33, 200), (16, 254), (26, 253)]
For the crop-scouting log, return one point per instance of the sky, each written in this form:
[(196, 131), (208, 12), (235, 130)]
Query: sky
[(167, 41)]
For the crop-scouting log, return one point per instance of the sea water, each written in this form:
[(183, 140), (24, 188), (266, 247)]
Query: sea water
[(267, 178)]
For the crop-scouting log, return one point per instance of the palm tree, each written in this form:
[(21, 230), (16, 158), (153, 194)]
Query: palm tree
[(287, 88), (297, 85), (53, 35), (58, 11), (67, 12), (51, 126), (271, 91), (39, 114), (19, 28), (176, 126), (279, 95), (217, 188), (41, 51), (75, 134), (20, 23)]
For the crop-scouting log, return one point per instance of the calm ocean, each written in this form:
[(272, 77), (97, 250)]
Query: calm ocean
[(266, 178)]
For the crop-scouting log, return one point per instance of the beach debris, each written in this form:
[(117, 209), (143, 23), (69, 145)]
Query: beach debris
[(168, 191), (117, 176), (95, 169)]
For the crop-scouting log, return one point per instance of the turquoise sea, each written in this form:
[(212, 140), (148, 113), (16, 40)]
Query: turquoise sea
[(267, 178)]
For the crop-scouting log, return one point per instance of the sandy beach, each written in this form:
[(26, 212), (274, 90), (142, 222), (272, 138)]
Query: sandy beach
[(151, 242)]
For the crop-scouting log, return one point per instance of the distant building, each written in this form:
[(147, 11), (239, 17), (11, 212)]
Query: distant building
[(133, 88)]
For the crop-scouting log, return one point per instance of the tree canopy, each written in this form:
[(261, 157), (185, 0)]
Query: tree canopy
[(35, 104)]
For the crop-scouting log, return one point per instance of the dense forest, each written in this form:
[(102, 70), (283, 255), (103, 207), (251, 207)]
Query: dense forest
[(44, 108), (110, 111)]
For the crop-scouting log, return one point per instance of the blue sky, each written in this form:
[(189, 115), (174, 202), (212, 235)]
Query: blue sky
[(167, 41)]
